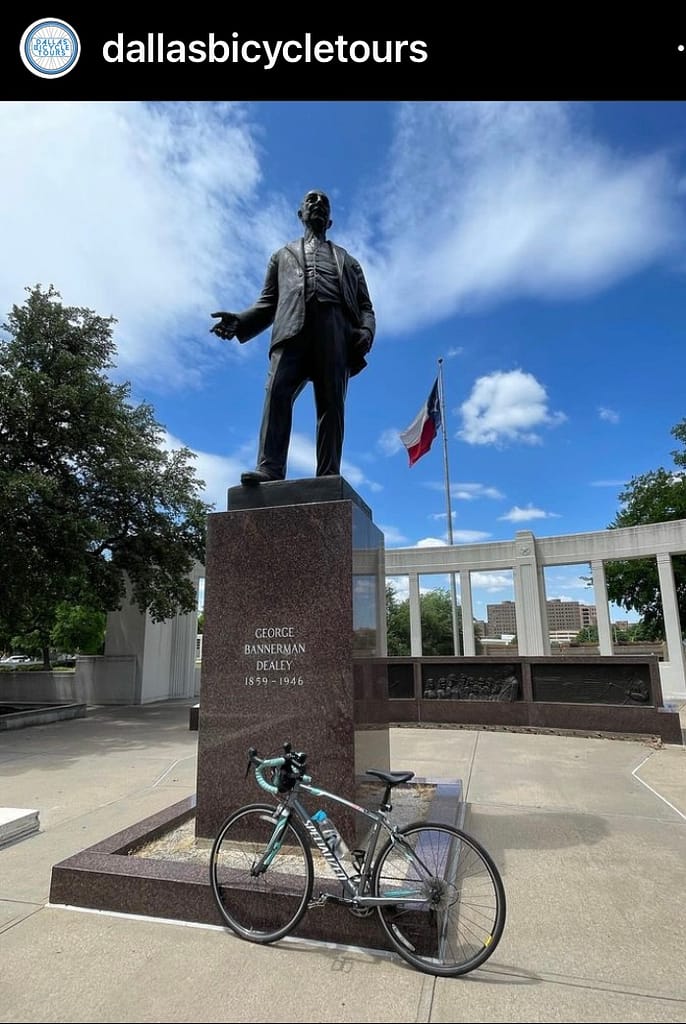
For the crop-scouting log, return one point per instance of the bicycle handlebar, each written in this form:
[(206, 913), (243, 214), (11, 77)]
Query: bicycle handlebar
[(287, 770)]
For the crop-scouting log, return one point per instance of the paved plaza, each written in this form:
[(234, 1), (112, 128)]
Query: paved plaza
[(589, 834)]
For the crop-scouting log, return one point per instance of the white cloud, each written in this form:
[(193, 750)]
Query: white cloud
[(438, 582), (609, 415), (579, 584), (491, 581), (431, 542), (393, 536), (142, 211), (389, 442), (153, 213), (525, 202), (356, 478), (506, 406), (523, 515), (468, 491), (608, 483), (400, 585), (458, 350), (469, 536), (461, 536), (218, 472), (559, 579), (302, 461)]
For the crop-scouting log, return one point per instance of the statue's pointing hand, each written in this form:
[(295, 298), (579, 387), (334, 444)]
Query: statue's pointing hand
[(227, 326)]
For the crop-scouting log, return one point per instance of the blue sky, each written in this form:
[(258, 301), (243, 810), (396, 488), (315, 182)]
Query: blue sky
[(537, 247)]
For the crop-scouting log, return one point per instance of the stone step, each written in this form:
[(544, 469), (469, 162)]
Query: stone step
[(17, 823)]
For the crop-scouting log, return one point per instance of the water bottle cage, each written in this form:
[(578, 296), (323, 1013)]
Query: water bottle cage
[(331, 839)]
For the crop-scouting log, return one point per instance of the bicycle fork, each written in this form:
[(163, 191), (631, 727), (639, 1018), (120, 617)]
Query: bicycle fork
[(273, 846)]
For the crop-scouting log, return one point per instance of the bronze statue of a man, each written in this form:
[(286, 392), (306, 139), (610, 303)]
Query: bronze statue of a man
[(316, 297)]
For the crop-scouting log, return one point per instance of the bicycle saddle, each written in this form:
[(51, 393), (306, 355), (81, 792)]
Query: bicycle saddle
[(390, 778)]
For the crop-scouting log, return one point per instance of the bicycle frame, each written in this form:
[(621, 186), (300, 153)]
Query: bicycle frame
[(354, 884), (436, 890)]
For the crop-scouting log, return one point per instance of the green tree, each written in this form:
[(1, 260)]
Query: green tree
[(642, 632), (587, 635), (655, 497), (88, 497), (397, 624), (78, 630), (75, 630), (437, 623)]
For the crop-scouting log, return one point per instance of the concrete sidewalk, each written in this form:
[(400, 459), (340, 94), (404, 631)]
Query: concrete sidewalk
[(590, 836)]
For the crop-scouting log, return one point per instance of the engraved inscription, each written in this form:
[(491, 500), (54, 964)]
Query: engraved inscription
[(273, 652)]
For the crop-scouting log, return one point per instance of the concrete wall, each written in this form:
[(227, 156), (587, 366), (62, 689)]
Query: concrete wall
[(144, 661), (527, 556), (107, 680), (35, 687), (165, 653)]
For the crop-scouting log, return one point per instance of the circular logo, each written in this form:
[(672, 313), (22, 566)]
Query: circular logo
[(50, 48)]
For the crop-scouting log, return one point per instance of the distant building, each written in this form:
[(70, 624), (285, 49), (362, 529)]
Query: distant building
[(563, 636), (501, 619), (589, 615), (570, 615), (564, 617)]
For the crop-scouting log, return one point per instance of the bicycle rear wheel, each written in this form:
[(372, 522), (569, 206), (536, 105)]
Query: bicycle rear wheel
[(265, 907), (461, 922)]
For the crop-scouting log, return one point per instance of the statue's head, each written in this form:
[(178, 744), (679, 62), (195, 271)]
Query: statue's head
[(315, 210)]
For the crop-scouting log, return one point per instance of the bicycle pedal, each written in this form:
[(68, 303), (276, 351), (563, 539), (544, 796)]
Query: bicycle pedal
[(318, 901)]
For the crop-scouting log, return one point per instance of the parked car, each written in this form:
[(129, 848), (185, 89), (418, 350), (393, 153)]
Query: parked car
[(16, 659)]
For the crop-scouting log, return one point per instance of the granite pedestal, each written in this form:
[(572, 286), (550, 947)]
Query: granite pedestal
[(294, 590)]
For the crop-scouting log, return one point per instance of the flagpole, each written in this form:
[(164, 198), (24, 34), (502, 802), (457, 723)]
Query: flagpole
[(453, 590)]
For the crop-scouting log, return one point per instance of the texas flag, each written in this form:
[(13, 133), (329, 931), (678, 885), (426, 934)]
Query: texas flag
[(419, 436)]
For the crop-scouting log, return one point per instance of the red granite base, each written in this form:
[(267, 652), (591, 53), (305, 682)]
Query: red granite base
[(110, 877)]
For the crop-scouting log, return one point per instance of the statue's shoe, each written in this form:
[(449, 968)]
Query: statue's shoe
[(256, 476)]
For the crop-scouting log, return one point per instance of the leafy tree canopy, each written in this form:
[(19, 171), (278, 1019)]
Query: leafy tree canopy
[(587, 635), (78, 630), (88, 496), (655, 497), (437, 623)]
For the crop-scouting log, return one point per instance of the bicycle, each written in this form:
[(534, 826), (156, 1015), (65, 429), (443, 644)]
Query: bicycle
[(437, 891)]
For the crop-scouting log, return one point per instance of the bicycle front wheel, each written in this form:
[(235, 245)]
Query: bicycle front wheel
[(461, 919), (266, 906)]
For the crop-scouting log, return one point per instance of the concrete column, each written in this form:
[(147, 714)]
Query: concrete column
[(125, 637), (415, 617), (529, 588), (454, 615), (602, 607), (467, 614), (182, 655), (676, 671)]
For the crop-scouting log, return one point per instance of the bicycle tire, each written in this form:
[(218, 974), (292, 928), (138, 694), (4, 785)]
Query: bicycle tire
[(266, 907), (463, 919)]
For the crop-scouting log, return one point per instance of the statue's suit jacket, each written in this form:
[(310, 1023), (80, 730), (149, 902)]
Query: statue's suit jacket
[(282, 302)]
